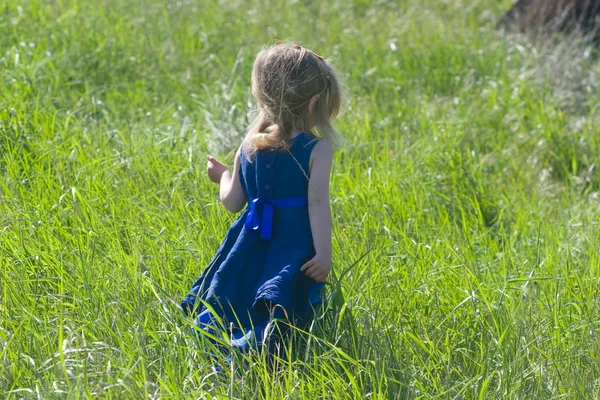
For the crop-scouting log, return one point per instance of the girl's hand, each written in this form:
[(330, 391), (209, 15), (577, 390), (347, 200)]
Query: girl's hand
[(215, 169), (318, 268)]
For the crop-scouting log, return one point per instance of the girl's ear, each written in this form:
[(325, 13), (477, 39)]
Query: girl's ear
[(312, 102)]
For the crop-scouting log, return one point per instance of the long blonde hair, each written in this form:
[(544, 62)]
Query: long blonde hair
[(284, 79)]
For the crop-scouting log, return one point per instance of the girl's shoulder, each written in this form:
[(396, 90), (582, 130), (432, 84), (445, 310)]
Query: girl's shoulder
[(322, 148), (322, 151)]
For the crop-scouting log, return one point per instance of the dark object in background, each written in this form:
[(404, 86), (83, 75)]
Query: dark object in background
[(581, 17)]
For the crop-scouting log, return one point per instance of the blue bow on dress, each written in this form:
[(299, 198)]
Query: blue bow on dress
[(261, 213)]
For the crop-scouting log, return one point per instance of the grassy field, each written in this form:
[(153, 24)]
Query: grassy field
[(466, 250)]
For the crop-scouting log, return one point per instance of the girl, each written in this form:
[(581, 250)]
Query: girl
[(277, 254)]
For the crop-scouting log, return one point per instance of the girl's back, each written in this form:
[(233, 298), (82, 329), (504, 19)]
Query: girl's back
[(280, 175), (277, 174)]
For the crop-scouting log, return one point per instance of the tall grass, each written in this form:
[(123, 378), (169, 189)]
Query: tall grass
[(466, 257)]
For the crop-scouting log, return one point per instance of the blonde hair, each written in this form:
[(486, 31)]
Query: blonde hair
[(284, 79)]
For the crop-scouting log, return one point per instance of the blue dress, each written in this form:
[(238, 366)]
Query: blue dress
[(258, 264)]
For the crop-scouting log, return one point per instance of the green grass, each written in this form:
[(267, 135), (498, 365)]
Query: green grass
[(466, 250)]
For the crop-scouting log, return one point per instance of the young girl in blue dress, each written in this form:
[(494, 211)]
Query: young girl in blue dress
[(277, 254)]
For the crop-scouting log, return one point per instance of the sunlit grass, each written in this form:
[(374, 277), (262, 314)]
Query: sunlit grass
[(466, 208)]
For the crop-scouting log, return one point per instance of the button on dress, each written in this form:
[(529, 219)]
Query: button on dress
[(258, 264)]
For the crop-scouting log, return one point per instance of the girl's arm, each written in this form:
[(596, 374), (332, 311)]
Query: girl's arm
[(319, 211), (231, 192)]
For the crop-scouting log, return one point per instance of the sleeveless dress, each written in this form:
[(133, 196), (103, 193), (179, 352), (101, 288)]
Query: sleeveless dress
[(255, 275)]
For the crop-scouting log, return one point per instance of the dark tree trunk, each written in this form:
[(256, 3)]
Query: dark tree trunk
[(554, 16)]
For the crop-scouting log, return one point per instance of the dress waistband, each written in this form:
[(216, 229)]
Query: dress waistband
[(261, 211)]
